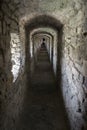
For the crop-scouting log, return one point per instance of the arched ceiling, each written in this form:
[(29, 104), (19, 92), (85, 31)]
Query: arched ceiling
[(43, 21), (43, 33), (46, 31)]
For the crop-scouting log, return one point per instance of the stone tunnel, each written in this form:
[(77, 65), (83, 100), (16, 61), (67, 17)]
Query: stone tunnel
[(43, 65)]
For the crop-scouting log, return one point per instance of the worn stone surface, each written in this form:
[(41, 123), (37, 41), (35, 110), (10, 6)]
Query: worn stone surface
[(72, 54), (74, 69)]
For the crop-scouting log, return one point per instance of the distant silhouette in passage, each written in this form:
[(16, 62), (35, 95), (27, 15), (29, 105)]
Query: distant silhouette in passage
[(43, 43)]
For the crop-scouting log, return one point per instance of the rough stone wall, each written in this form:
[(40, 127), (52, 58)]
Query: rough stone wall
[(11, 94), (74, 67), (74, 56), (55, 53), (5, 64), (35, 44)]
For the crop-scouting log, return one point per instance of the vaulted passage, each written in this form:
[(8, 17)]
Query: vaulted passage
[(43, 88), (43, 106)]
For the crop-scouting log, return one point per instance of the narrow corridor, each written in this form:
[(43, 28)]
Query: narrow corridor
[(43, 88), (43, 108)]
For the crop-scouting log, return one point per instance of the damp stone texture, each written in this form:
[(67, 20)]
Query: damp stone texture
[(71, 57)]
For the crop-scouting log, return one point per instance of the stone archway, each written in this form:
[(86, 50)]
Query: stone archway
[(41, 21)]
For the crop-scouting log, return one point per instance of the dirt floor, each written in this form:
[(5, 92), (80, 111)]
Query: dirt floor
[(43, 105)]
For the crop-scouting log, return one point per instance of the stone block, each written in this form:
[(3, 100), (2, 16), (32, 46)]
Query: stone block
[(79, 32), (74, 41), (77, 55), (68, 39), (85, 81), (80, 77), (72, 51), (84, 67)]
